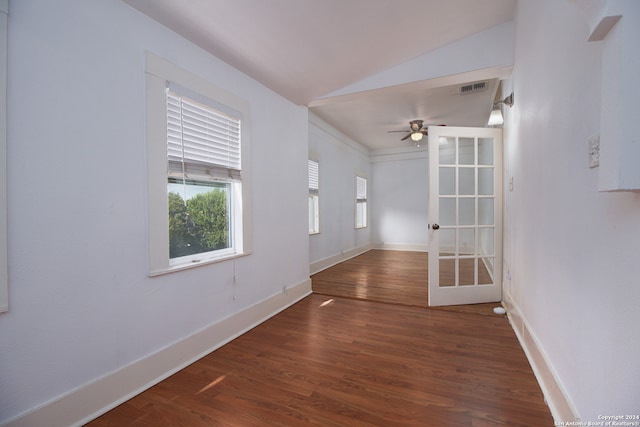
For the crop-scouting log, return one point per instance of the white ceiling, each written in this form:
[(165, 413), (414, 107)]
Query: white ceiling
[(307, 49), (367, 117)]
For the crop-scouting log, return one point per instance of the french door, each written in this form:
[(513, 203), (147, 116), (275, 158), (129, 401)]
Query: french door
[(465, 215)]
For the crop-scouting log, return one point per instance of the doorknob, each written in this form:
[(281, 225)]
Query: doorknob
[(435, 226)]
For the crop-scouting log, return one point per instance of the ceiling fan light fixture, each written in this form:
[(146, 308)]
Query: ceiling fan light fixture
[(416, 136)]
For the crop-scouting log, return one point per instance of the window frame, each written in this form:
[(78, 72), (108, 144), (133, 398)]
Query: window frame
[(314, 197), (159, 74), (363, 201), (208, 158)]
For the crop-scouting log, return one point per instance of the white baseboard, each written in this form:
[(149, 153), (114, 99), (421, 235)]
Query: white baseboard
[(325, 263), (555, 394), (93, 399), (400, 247)]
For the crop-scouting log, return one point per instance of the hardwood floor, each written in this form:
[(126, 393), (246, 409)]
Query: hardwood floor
[(330, 361), (396, 277), (346, 359)]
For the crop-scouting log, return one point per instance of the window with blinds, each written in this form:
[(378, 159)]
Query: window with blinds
[(361, 202), (198, 151), (203, 159), (314, 197), (202, 143)]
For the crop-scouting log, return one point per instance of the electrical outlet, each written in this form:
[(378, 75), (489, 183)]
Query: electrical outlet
[(594, 151)]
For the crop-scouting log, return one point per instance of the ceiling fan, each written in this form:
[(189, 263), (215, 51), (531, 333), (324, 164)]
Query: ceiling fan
[(415, 132)]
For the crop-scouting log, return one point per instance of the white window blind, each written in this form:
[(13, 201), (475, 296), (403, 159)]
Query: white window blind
[(361, 202), (314, 211), (361, 189), (202, 142), (313, 177)]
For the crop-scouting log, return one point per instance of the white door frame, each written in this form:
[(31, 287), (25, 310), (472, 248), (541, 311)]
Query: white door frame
[(475, 293)]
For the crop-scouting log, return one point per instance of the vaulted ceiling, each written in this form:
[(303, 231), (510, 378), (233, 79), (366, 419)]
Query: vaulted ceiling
[(310, 50)]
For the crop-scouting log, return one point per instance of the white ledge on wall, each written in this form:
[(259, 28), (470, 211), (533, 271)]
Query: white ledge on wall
[(602, 28), (616, 23)]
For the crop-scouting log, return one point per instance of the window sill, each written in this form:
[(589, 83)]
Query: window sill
[(196, 263)]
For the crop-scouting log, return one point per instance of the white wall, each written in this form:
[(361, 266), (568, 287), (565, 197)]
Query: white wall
[(400, 194), (340, 160), (81, 305), (572, 252)]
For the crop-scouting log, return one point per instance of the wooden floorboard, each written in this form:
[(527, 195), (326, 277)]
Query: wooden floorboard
[(331, 361), (395, 277)]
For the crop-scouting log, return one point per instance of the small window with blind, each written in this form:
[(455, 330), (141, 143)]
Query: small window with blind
[(197, 180), (203, 161), (314, 205), (361, 202)]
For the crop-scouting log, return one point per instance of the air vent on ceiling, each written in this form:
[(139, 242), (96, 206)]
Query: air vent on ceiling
[(473, 88)]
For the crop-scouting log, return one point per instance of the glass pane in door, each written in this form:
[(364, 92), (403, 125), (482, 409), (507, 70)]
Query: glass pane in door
[(467, 271), (485, 211), (485, 151), (466, 181), (467, 214), (485, 240), (466, 150), (447, 211), (485, 270), (447, 150), (447, 180), (466, 241), (447, 241), (485, 181), (447, 272)]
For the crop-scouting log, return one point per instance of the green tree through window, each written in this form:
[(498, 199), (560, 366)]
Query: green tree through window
[(199, 225)]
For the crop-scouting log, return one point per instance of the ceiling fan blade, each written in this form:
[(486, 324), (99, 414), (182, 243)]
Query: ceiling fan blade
[(406, 137), (390, 131)]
